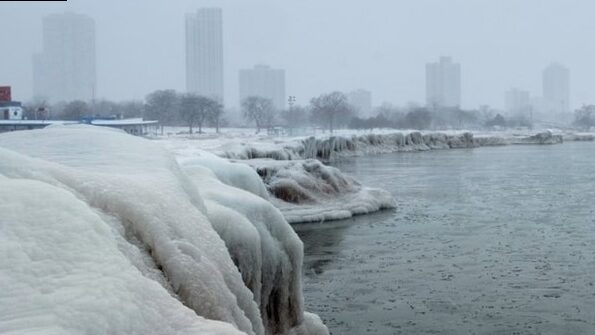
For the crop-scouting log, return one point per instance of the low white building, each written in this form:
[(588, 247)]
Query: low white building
[(11, 111)]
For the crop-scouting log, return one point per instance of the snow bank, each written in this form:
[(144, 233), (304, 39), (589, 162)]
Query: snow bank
[(113, 227), (308, 190)]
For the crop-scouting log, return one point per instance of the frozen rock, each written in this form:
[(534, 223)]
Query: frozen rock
[(308, 190)]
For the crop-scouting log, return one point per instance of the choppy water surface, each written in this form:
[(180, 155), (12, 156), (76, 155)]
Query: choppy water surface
[(485, 241)]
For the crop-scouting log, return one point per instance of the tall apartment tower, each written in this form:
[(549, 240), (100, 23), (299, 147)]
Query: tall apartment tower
[(518, 101), (264, 82), (65, 68), (204, 53), (443, 84), (556, 88)]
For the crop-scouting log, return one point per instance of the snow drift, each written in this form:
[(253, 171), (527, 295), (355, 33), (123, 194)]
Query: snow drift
[(103, 232)]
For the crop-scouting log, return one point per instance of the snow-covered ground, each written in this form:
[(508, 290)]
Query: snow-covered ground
[(105, 233)]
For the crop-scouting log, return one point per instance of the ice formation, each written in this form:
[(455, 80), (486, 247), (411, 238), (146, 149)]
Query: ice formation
[(307, 190), (103, 232), (304, 190), (328, 148)]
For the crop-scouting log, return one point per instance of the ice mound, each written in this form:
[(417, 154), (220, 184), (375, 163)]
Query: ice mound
[(130, 242), (308, 190), (62, 272)]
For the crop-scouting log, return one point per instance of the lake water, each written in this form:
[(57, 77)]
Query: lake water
[(496, 240)]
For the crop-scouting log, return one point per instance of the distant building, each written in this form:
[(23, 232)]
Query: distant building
[(362, 101), (9, 110), (556, 88), (443, 84), (518, 101), (65, 68), (204, 53), (264, 82)]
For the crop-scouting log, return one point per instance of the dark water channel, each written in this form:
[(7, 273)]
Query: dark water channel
[(494, 240)]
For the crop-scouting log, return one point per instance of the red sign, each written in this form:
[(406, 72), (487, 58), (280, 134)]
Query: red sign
[(5, 93)]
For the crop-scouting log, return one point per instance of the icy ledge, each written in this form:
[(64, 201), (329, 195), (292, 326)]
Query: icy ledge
[(102, 232), (328, 148)]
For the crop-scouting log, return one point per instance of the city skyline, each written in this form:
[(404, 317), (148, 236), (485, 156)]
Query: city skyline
[(131, 63)]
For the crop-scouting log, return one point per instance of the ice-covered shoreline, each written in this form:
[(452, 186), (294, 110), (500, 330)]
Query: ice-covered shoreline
[(304, 190), (328, 148), (104, 232), (288, 169)]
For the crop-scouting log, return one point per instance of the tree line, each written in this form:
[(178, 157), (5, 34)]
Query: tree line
[(328, 111), (169, 107)]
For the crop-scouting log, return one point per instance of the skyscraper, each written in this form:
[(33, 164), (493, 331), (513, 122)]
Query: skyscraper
[(65, 68), (204, 53), (518, 101), (264, 82), (556, 88), (443, 84)]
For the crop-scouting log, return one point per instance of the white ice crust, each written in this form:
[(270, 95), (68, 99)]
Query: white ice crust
[(102, 232), (304, 190)]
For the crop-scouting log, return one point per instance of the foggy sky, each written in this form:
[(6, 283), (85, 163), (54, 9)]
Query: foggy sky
[(325, 45)]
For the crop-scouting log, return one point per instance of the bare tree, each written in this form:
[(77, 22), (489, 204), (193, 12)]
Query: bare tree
[(132, 108), (162, 105), (75, 110), (295, 117), (260, 110), (328, 109), (196, 109), (215, 116)]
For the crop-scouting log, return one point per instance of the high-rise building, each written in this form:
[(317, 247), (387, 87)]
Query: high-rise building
[(204, 53), (264, 82), (518, 101), (362, 101), (443, 84), (65, 68), (556, 88)]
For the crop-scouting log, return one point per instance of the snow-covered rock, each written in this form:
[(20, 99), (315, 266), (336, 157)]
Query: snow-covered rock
[(545, 137), (103, 232)]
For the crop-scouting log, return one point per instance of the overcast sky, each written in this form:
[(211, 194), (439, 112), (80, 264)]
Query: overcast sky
[(325, 45)]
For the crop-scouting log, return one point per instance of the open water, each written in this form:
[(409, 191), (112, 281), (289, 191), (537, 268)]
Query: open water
[(497, 240)]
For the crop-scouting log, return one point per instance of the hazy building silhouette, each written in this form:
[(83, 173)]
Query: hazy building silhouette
[(204, 53), (362, 101), (518, 101), (443, 84), (556, 88), (264, 82), (65, 68)]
